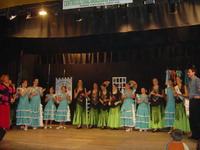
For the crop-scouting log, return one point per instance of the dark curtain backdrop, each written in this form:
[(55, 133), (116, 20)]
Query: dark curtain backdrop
[(140, 65), (118, 20)]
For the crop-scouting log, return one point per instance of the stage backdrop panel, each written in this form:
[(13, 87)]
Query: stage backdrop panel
[(64, 82)]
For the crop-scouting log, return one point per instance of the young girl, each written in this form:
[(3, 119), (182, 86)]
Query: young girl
[(104, 98), (62, 113), (128, 107), (170, 107), (94, 106), (114, 120), (50, 108), (23, 114), (36, 107), (80, 112), (142, 115)]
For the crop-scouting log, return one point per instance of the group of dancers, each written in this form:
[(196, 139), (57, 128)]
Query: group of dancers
[(160, 108)]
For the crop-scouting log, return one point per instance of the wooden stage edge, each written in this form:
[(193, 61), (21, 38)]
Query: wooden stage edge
[(86, 139)]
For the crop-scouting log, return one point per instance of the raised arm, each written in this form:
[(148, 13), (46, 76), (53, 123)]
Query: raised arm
[(162, 95), (47, 98), (69, 99), (22, 93), (76, 91)]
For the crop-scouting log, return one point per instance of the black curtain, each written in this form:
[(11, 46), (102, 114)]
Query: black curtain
[(141, 65)]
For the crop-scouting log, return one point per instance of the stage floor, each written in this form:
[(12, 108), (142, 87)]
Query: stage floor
[(86, 139)]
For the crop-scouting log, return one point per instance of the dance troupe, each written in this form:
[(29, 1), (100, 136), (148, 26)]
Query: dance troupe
[(114, 109)]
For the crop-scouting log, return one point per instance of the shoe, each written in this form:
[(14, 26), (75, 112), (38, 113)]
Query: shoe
[(50, 127), (140, 130), (34, 128), (60, 127), (22, 127), (169, 132), (155, 130), (128, 130), (79, 127), (102, 128), (63, 127), (45, 127)]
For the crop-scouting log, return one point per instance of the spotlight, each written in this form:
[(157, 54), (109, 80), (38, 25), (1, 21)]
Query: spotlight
[(28, 15), (12, 17), (43, 13), (78, 16)]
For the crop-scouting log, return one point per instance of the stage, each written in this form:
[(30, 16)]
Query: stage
[(86, 139)]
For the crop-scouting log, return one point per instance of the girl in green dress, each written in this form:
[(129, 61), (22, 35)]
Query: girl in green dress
[(114, 119), (181, 120), (104, 98), (157, 109), (80, 111), (94, 106)]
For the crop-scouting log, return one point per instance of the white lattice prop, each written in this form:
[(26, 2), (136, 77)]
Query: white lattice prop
[(120, 81), (64, 82)]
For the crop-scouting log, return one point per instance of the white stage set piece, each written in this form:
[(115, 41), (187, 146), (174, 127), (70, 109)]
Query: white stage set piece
[(120, 81)]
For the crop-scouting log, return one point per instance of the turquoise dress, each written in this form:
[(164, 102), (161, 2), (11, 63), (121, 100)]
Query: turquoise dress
[(23, 114), (36, 108), (128, 111), (170, 108), (142, 115), (50, 109), (63, 112)]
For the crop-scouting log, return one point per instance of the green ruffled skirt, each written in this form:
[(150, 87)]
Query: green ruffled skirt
[(157, 117), (114, 119), (181, 120), (103, 118), (93, 116), (79, 116)]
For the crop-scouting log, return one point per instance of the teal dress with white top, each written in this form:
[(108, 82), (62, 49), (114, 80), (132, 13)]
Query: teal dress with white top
[(63, 112), (36, 108), (50, 108), (128, 110), (142, 114), (170, 108), (23, 113)]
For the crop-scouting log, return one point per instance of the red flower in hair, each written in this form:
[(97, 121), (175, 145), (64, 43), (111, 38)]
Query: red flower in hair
[(113, 98)]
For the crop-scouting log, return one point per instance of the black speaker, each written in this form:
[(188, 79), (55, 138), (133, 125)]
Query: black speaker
[(2, 133)]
